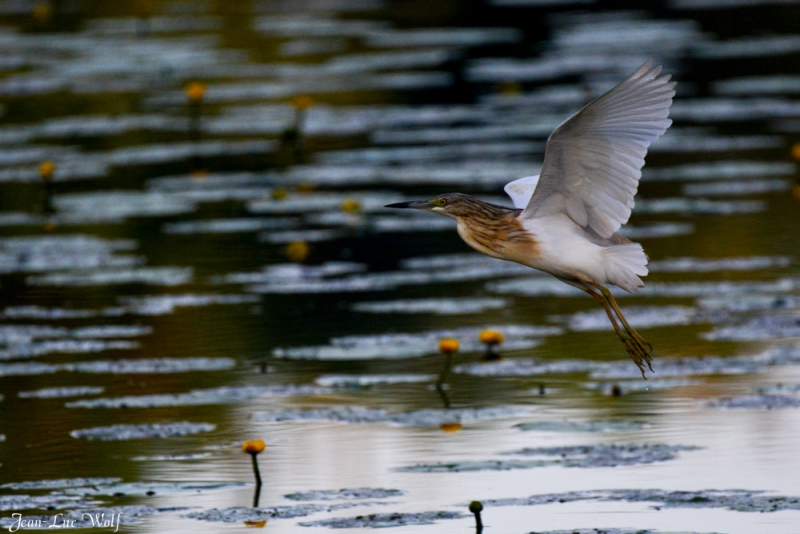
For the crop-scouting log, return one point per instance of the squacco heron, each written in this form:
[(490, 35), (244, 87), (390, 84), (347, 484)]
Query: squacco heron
[(565, 220)]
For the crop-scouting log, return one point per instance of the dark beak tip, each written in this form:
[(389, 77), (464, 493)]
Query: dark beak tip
[(399, 205)]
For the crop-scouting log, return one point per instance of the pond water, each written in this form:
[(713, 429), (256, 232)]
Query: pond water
[(194, 253)]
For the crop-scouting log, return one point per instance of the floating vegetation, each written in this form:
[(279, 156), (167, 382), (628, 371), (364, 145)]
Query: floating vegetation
[(155, 276), (655, 230), (581, 426), (744, 188), (385, 520), (38, 312), (778, 84), (62, 392), (239, 515), (758, 402), (142, 431), (736, 500), (758, 328), (583, 456), (370, 202), (346, 494), (461, 306), (155, 365), (608, 531), (363, 381), (749, 303), (640, 316), (143, 366), (284, 273), (116, 206), (63, 346), (279, 279), (539, 286), (60, 483), (200, 397), (667, 367), (745, 47), (698, 206), (55, 253), (229, 226), (423, 418), (716, 109), (397, 346), (702, 265), (719, 170), (142, 489), (40, 502), (608, 455), (167, 304), (172, 457)]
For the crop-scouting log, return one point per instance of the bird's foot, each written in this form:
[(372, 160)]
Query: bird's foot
[(638, 349)]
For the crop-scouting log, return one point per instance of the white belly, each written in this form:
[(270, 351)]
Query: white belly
[(564, 250)]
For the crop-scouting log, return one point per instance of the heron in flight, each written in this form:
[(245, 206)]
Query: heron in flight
[(565, 220)]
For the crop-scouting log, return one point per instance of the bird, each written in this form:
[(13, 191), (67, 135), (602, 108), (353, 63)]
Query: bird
[(565, 221)]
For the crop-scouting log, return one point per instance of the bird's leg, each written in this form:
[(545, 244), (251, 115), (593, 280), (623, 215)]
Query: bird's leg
[(606, 307), (637, 355), (642, 348)]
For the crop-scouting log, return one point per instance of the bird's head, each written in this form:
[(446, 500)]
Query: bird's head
[(453, 205)]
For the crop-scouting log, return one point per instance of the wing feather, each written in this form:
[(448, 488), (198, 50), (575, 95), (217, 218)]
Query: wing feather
[(593, 161)]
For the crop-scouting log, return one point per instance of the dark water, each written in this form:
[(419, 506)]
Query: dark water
[(225, 269)]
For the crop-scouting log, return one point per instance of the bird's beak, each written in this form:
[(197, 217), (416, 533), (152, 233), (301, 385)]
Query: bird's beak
[(415, 204)]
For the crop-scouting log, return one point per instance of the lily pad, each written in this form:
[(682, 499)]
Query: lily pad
[(582, 456), (142, 431), (60, 483), (398, 346), (347, 494), (736, 500), (581, 426), (142, 489), (371, 380), (199, 397), (423, 418), (385, 520), (58, 393), (158, 276), (435, 306)]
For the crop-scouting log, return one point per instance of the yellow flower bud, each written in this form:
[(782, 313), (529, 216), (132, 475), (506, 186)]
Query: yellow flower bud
[(254, 447), (351, 206), (195, 91), (302, 102), (298, 251), (279, 193), (46, 170), (448, 346), (491, 337)]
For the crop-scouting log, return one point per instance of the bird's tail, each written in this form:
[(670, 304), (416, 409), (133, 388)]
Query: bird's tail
[(625, 263)]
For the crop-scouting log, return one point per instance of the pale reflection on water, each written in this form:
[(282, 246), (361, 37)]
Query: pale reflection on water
[(226, 265)]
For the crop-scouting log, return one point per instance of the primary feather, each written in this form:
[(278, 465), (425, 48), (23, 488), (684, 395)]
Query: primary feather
[(593, 161)]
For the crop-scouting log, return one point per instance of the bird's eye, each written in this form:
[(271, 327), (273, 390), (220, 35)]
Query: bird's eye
[(442, 202)]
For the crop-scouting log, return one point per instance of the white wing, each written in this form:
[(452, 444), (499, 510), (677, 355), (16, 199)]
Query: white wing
[(522, 190), (593, 161)]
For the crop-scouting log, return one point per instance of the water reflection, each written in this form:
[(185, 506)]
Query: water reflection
[(149, 300)]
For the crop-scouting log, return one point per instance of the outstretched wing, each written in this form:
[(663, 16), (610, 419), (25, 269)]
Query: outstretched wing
[(593, 161), (522, 190)]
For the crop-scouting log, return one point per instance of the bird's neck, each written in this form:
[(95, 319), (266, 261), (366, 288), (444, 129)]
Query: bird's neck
[(495, 231)]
